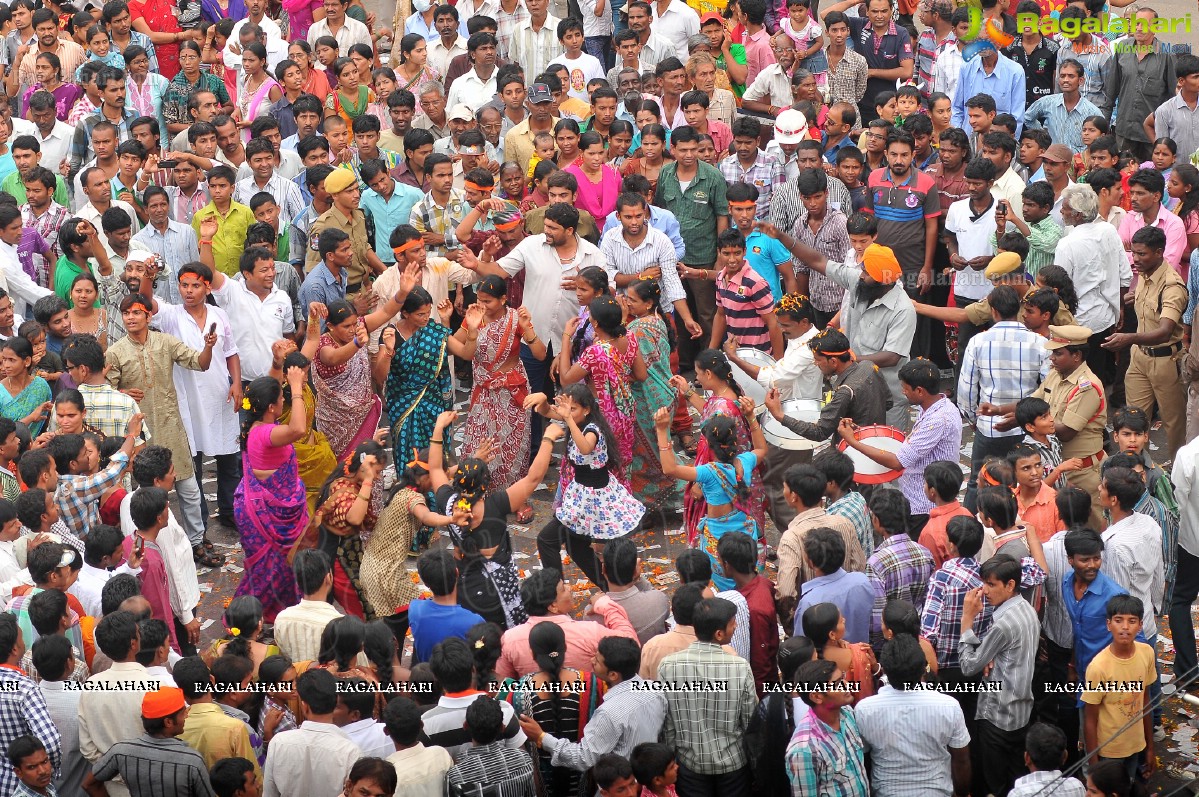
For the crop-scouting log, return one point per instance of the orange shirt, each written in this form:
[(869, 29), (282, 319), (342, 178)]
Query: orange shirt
[(933, 537), (1041, 513)]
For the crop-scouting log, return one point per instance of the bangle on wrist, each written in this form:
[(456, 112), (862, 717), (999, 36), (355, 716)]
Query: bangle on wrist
[(436, 442), (547, 438), (362, 497), (204, 241)]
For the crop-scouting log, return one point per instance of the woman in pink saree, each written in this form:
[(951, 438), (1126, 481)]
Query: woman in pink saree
[(270, 505), (610, 364), (497, 410), (258, 91), (715, 375), (347, 408)]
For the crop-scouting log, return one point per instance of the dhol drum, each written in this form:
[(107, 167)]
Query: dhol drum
[(749, 386), (780, 436), (866, 470)]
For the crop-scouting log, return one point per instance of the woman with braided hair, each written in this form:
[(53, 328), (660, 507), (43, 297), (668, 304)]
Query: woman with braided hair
[(384, 573), (488, 582), (724, 482), (715, 377)]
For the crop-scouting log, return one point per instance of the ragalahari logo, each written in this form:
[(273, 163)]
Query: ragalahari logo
[(984, 33)]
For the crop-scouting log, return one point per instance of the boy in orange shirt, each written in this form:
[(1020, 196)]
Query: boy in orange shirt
[(1036, 499)]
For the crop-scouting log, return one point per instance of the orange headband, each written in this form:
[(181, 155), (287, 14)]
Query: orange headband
[(402, 248), (416, 461), (746, 204), (509, 225), (477, 187), (833, 353)]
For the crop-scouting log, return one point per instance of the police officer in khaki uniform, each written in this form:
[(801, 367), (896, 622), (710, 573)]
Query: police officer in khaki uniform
[(1153, 368), (1006, 268), (345, 215), (1078, 406)]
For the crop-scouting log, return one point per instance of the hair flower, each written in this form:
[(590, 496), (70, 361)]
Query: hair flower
[(235, 631), (245, 404), (479, 644)]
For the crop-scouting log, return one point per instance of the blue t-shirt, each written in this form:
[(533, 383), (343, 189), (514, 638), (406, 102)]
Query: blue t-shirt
[(431, 623), (764, 254), (714, 491)]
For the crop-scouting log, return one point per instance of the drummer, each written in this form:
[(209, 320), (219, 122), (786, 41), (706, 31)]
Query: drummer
[(1078, 406), (794, 377), (857, 390)]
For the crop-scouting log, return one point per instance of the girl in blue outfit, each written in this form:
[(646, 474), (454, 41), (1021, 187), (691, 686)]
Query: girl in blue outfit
[(723, 481)]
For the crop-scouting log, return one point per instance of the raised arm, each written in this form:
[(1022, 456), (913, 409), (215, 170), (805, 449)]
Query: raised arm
[(437, 474), (670, 465), (297, 426), (520, 492), (409, 279)]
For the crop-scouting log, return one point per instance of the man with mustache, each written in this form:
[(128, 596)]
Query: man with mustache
[(879, 320)]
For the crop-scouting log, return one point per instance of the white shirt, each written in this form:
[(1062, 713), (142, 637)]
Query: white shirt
[(370, 737), (90, 584), (1010, 187), (183, 585), (974, 235), (1093, 256), (108, 717), (286, 193), (260, 322), (679, 23), (276, 51), (352, 32), (1132, 557), (471, 91), (1184, 477), (550, 306), (582, 70), (909, 734), (439, 55), (12, 575), (773, 85), (423, 770), (93, 215), (656, 49), (533, 49), (14, 279), (211, 420), (289, 167), (298, 628), (947, 69), (796, 375), (315, 759), (56, 145), (163, 675)]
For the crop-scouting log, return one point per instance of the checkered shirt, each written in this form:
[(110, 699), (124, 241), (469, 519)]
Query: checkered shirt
[(23, 711), (47, 225), (78, 497), (852, 507), (898, 569), (766, 173)]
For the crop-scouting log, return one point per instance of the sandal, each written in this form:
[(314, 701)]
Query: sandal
[(207, 558), (524, 515)]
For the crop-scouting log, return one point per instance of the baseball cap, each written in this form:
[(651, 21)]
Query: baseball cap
[(461, 112), (539, 93)]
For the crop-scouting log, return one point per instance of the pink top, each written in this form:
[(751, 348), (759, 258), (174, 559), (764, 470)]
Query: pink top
[(155, 585), (582, 639), (263, 455), (598, 199)]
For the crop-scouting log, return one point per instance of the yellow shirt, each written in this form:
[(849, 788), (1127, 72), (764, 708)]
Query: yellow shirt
[(215, 735), (1119, 698), (230, 239)]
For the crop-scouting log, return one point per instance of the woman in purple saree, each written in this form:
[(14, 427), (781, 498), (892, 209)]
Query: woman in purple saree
[(270, 505)]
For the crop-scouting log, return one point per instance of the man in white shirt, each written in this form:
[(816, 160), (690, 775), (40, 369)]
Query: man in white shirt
[(12, 573), (420, 769), (477, 87), (1093, 256), (355, 716), (347, 30), (260, 313), (315, 758), (970, 232), (102, 551), (654, 48), (276, 49), (53, 136), (449, 46), (676, 22), (255, 15), (298, 628), (1132, 544)]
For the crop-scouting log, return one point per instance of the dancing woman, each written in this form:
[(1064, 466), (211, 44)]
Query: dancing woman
[(270, 505), (715, 375), (724, 481)]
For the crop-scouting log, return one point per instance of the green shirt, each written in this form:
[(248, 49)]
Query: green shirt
[(738, 51), (1042, 243), (13, 184), (697, 209), (65, 273), (230, 238)]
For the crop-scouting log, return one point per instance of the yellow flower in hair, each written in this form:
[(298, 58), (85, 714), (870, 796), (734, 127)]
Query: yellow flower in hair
[(462, 505), (479, 644), (235, 631), (245, 404)]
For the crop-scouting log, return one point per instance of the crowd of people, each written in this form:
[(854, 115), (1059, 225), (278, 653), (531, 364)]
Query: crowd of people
[(745, 274)]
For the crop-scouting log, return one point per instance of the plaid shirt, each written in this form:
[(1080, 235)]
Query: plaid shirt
[(506, 25), (428, 216), (81, 145), (847, 83), (898, 569), (1064, 126), (822, 762), (23, 711), (764, 174), (852, 507), (941, 621), (47, 225), (78, 497), (832, 241), (1050, 783), (492, 769), (705, 728), (1003, 364)]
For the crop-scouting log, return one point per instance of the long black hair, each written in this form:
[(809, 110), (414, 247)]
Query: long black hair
[(650, 291), (714, 360), (259, 396), (720, 432), (350, 466), (597, 278), (548, 643), (342, 641), (1056, 278), (484, 641), (243, 615), (580, 394), (608, 316)]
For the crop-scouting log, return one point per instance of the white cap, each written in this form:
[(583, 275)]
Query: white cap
[(139, 256), (790, 127)]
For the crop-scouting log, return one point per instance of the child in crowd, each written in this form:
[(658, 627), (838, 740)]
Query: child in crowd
[(1035, 498), (1036, 420), (1040, 306), (942, 483), (51, 312), (543, 150), (1044, 756), (908, 103), (807, 34), (582, 67), (655, 768)]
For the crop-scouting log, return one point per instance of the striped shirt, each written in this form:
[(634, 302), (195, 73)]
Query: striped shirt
[(745, 299), (655, 249), (23, 711), (1002, 365), (765, 174), (534, 49), (626, 718), (832, 241), (492, 769), (1047, 784), (927, 47), (909, 734), (705, 728), (286, 194), (151, 767), (901, 209), (847, 80), (1011, 646), (936, 435), (787, 206), (1132, 557), (1064, 126), (823, 762)]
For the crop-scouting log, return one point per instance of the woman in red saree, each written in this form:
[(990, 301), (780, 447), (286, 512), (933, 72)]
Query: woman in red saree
[(497, 410), (715, 376), (270, 505), (156, 19)]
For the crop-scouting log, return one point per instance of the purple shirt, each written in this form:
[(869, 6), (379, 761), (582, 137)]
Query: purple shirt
[(850, 591), (32, 243), (937, 434)]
